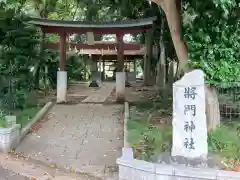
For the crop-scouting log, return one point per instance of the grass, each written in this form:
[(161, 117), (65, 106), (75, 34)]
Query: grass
[(25, 116), (225, 140), (148, 138)]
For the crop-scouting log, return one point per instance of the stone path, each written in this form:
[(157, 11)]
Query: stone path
[(84, 137), (105, 91), (8, 175)]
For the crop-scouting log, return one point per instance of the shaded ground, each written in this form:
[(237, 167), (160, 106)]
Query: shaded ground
[(8, 175), (134, 94), (83, 137)]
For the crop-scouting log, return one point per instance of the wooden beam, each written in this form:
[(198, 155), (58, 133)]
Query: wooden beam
[(127, 30), (104, 46), (120, 51), (62, 62)]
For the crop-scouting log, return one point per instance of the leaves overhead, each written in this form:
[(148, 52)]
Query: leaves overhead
[(212, 32)]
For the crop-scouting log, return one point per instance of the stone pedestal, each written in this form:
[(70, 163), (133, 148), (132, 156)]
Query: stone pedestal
[(93, 84), (61, 86), (95, 79), (131, 77), (120, 86)]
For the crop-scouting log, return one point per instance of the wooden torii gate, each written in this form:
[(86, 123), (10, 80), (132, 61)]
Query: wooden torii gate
[(119, 28), (106, 51)]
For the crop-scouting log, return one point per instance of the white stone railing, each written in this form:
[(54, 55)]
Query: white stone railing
[(133, 169)]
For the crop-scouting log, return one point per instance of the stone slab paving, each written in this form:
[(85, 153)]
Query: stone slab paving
[(8, 175), (105, 91), (83, 137), (81, 89)]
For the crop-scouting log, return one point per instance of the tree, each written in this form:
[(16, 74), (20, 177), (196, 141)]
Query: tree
[(40, 8), (172, 9), (19, 49)]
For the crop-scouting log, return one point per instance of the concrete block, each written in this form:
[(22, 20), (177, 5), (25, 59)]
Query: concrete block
[(127, 153), (11, 120), (195, 173), (61, 86), (120, 87), (164, 169), (9, 137), (164, 172), (130, 173), (137, 164), (186, 178), (227, 175), (143, 175), (125, 173), (131, 77)]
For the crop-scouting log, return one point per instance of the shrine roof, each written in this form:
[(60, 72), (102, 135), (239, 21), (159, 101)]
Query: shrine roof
[(87, 24), (124, 26)]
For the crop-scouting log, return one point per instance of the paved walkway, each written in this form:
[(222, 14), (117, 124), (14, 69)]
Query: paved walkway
[(8, 175), (102, 93), (84, 137)]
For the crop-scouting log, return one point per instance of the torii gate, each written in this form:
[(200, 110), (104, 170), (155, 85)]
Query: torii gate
[(106, 51), (119, 28)]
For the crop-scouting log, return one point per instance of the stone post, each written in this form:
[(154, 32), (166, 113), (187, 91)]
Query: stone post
[(62, 74), (103, 69), (120, 74), (134, 66)]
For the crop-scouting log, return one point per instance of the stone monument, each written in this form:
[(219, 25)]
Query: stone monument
[(189, 118), (95, 79)]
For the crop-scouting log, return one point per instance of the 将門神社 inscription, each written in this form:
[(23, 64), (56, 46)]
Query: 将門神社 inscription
[(189, 118)]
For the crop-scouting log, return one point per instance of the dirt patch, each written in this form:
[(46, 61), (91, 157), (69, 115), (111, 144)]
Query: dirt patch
[(73, 100), (158, 121)]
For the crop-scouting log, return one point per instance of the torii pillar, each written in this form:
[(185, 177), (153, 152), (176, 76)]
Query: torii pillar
[(62, 73), (120, 74)]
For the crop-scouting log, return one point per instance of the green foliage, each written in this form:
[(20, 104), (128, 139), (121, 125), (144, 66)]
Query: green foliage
[(24, 116), (3, 121), (148, 139), (212, 31), (19, 49), (76, 66), (225, 141)]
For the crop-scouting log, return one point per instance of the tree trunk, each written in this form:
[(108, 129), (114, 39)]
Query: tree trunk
[(41, 56), (148, 58), (173, 19), (161, 69), (170, 75), (212, 108), (176, 76)]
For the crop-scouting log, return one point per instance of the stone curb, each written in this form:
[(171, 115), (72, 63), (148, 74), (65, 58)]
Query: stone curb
[(38, 116), (132, 169), (37, 171), (126, 117)]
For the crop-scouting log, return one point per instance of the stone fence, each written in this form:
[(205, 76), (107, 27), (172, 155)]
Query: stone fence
[(133, 169)]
